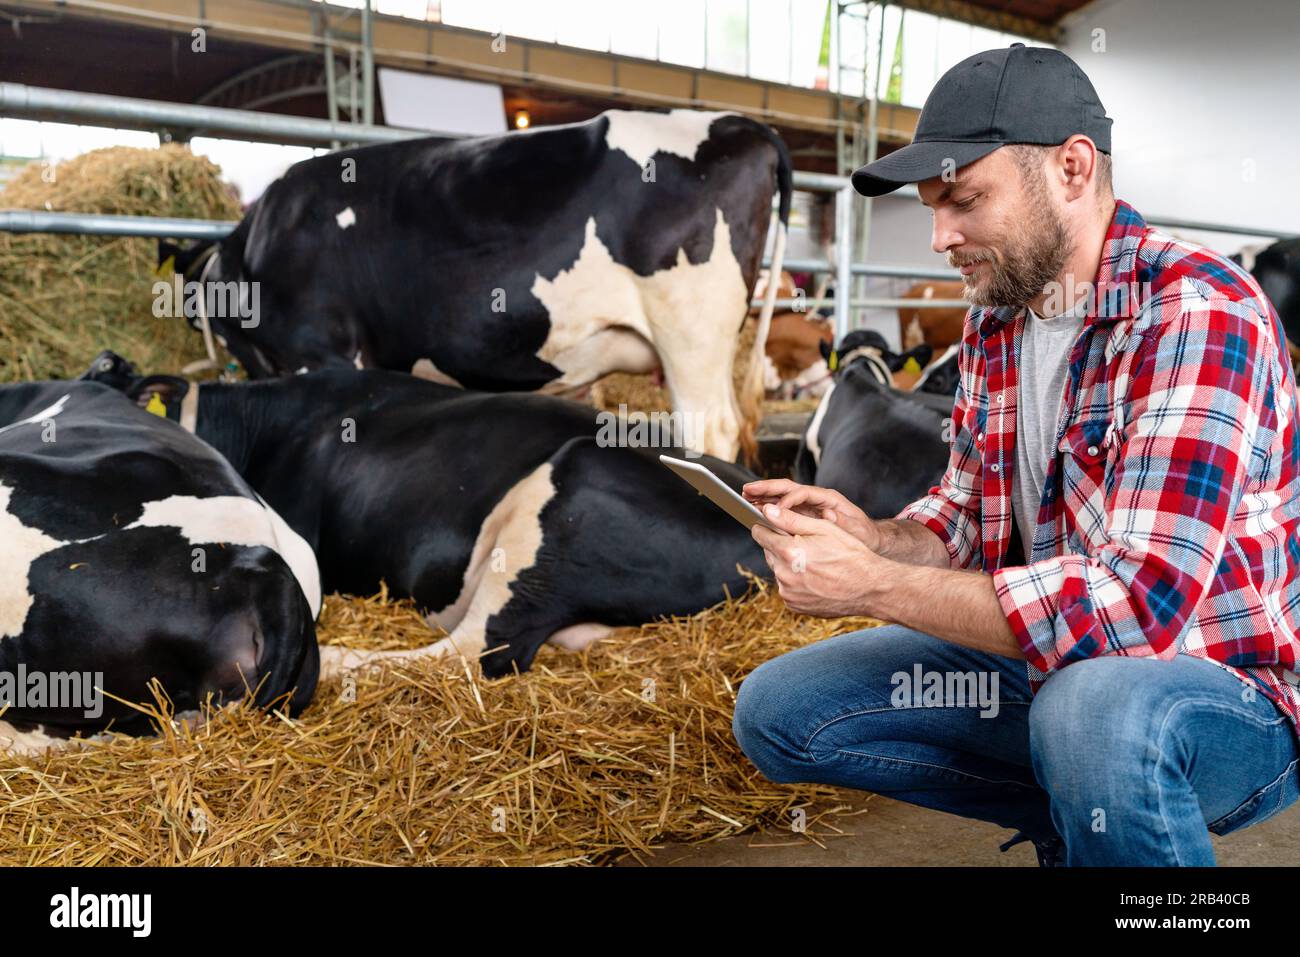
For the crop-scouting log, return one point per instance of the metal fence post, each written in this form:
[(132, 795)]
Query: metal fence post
[(843, 260)]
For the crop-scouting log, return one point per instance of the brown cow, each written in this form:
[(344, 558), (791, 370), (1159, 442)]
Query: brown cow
[(937, 328), (794, 367)]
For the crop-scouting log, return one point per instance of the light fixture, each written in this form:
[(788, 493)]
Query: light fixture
[(522, 120)]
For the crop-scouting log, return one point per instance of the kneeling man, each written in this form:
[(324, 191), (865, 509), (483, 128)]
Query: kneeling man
[(1114, 550)]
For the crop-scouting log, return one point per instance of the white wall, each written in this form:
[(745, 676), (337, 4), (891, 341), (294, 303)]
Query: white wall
[(900, 233), (1206, 101)]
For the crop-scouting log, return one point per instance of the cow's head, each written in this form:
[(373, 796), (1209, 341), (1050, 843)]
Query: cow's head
[(1277, 269), (145, 556), (148, 601), (120, 373), (185, 259), (868, 346)]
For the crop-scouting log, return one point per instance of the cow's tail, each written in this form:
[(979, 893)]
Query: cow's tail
[(752, 389)]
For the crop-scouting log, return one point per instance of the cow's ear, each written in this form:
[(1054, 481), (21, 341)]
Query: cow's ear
[(167, 253), (167, 389), (824, 348)]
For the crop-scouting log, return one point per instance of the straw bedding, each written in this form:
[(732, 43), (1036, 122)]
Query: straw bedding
[(582, 760), (585, 759)]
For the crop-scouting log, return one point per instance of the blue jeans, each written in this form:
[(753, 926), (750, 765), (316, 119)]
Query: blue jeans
[(1116, 761)]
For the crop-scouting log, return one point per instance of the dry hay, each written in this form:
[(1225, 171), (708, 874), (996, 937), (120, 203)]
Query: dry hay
[(63, 298), (639, 393), (582, 760), (806, 404)]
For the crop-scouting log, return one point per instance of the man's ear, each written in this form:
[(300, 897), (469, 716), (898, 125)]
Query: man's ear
[(168, 389)]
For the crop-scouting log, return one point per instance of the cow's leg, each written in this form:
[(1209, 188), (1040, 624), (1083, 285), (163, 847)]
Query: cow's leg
[(336, 659), (507, 543), (425, 369), (37, 740), (695, 312), (613, 349), (689, 314), (579, 637), (468, 641), (33, 742), (698, 376)]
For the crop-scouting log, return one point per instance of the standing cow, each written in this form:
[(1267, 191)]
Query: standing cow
[(532, 260)]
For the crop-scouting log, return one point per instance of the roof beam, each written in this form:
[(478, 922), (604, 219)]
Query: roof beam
[(982, 16)]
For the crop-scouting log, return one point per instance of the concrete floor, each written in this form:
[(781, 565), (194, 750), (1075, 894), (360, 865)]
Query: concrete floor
[(889, 833)]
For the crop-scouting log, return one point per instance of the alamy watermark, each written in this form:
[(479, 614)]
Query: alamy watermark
[(1115, 299), (945, 689), (221, 300), (632, 430), (75, 909), (45, 690)]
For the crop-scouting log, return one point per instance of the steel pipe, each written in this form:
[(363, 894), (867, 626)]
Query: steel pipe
[(101, 224), (65, 106)]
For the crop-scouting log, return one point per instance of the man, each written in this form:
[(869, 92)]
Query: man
[(1114, 549)]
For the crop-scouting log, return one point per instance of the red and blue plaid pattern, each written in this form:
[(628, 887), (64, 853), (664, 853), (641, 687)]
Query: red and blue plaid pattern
[(1170, 520)]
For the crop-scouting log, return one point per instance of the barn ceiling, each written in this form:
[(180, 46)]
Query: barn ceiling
[(71, 53), (1032, 18)]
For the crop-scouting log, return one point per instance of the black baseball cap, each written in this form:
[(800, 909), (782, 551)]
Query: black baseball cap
[(1017, 95)]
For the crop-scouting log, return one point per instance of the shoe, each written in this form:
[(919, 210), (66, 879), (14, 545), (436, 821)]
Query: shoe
[(1050, 853)]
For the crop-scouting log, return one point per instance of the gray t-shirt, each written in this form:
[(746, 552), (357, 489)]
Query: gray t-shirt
[(1042, 371)]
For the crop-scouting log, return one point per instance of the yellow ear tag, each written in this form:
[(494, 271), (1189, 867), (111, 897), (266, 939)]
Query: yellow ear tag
[(156, 406), (166, 266), (911, 365), (834, 361)]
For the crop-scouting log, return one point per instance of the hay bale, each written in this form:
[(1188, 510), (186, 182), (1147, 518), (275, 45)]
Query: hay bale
[(586, 758), (63, 298)]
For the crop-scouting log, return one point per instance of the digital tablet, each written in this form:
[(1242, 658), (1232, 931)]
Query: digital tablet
[(719, 493)]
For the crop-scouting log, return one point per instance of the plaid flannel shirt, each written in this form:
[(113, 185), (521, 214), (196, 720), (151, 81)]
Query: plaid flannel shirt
[(1170, 517)]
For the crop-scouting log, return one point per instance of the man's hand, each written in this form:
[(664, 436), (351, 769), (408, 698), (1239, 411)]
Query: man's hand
[(815, 502), (821, 569)]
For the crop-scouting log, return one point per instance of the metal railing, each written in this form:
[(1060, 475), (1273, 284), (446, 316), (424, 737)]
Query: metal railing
[(100, 109), (104, 224)]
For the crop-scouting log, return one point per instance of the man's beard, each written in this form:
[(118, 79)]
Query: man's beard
[(1032, 258)]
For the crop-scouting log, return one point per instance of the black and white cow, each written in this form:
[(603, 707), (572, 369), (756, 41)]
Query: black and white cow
[(532, 260), (941, 376), (1277, 269), (880, 447), (131, 550), (506, 517)]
